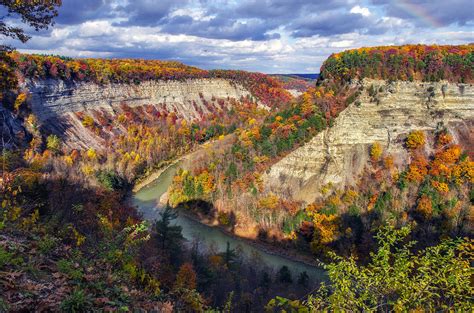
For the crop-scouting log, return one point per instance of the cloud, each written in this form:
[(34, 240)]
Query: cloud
[(273, 36), (330, 23), (148, 12), (430, 13), (73, 12), (219, 27), (360, 10)]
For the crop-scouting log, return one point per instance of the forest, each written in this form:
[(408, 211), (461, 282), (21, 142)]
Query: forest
[(399, 239), (409, 62)]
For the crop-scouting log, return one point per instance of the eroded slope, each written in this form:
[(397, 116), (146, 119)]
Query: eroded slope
[(385, 113)]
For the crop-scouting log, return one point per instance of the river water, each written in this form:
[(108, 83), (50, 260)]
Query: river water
[(147, 198)]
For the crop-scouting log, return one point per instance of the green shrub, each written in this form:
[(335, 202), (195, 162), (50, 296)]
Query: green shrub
[(53, 143), (67, 267), (110, 180), (47, 244), (77, 301), (436, 279), (354, 210), (8, 258)]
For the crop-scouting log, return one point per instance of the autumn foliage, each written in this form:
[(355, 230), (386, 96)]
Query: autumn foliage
[(409, 62), (266, 89)]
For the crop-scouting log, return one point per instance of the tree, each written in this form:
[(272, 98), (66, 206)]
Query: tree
[(265, 281), (229, 256), (303, 279), (416, 139), (284, 275), (186, 278), (437, 278), (375, 152), (168, 235), (53, 143), (36, 14)]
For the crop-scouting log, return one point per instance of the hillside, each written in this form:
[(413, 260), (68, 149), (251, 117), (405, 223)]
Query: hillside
[(310, 176), (139, 112), (385, 113), (406, 63), (375, 155)]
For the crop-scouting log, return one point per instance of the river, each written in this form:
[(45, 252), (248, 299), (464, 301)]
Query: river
[(147, 198)]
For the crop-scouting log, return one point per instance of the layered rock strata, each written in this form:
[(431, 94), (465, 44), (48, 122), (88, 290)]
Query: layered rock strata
[(56, 102), (385, 113)]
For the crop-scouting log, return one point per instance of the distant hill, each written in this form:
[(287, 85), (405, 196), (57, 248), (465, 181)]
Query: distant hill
[(407, 63), (304, 76)]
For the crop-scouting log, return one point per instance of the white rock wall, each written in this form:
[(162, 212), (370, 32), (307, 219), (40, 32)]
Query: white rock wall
[(340, 153), (51, 98)]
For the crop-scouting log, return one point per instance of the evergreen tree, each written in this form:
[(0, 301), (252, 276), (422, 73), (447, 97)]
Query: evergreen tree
[(284, 275), (303, 279), (168, 235)]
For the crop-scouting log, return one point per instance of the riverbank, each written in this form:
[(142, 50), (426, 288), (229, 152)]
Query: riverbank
[(150, 178), (287, 253), (195, 153), (276, 249)]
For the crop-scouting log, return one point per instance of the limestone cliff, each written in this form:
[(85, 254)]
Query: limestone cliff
[(185, 98), (385, 113), (54, 102)]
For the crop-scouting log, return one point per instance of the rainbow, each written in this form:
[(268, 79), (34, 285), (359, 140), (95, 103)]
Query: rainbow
[(418, 12)]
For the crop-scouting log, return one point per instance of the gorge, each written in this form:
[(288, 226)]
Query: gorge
[(386, 112), (369, 156)]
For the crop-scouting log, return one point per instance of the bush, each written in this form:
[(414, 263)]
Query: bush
[(67, 267), (88, 121), (53, 143), (416, 139), (77, 301), (110, 180), (8, 258), (435, 279), (47, 244)]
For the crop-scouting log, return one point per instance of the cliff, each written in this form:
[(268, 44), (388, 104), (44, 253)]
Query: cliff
[(186, 98), (55, 101), (339, 154)]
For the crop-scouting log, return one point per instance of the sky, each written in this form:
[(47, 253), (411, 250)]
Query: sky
[(270, 36)]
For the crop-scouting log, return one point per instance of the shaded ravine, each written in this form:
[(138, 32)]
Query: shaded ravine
[(147, 201)]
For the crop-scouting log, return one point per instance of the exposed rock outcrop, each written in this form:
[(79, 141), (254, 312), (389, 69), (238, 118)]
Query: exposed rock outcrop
[(50, 98), (11, 130), (55, 102), (339, 154)]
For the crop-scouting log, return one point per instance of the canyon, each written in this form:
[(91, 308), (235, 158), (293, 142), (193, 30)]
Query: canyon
[(55, 102), (385, 113), (111, 150)]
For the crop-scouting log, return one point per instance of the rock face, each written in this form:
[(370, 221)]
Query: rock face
[(11, 130), (339, 154), (55, 102), (51, 98)]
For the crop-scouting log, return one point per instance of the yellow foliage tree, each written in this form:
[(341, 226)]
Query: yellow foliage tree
[(416, 139), (376, 152), (425, 207), (20, 99)]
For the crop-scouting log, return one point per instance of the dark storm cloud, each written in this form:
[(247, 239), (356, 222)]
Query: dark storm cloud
[(77, 11), (334, 23), (149, 12), (284, 9), (219, 28), (425, 12), (253, 20)]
